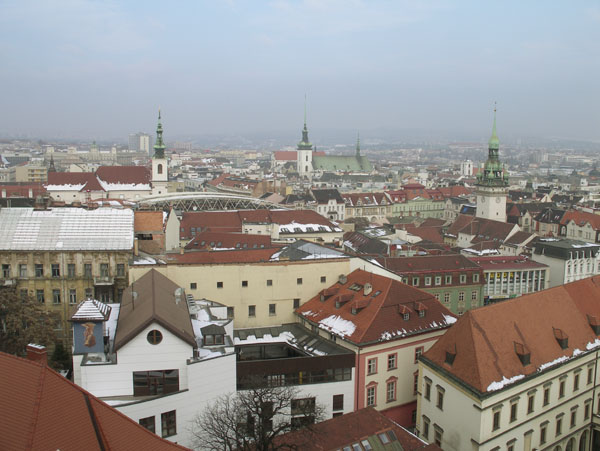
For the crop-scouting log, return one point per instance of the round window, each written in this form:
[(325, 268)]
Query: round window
[(154, 337)]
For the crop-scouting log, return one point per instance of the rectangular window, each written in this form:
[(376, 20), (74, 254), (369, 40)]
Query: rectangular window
[(438, 280), (39, 270), (428, 281), (448, 280), (71, 270), (272, 311), (323, 279), (530, 403), (415, 281), (415, 383), (425, 431), (147, 383), (338, 402), (303, 406), (590, 375), (461, 296), (446, 298), (269, 282), (6, 271), (252, 311), (56, 296), (513, 412), (299, 281), (561, 389), (576, 382), (230, 312), (543, 434), (168, 423), (244, 283), (296, 303), (55, 270), (72, 296), (372, 366), (103, 269), (39, 295), (573, 417), (496, 422), (219, 284), (475, 278), (463, 278), (148, 423), (440, 398), (391, 391), (193, 285), (586, 410), (87, 270), (558, 426), (120, 270), (427, 394), (370, 396), (391, 361), (22, 271), (474, 295), (546, 396), (437, 436), (418, 352)]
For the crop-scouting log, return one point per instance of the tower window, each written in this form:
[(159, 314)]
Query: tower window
[(159, 169)]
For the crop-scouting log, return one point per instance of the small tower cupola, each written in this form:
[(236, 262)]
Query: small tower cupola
[(159, 147)]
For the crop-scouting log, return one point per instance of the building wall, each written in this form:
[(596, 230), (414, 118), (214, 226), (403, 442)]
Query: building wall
[(491, 204), (284, 288), (467, 420), (503, 284), (566, 271), (31, 173), (65, 283)]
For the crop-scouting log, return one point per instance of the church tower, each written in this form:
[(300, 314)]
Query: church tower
[(160, 171), (305, 152), (492, 183)]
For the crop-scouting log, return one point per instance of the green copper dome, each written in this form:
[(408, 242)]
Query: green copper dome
[(492, 173), (494, 142), (159, 147)]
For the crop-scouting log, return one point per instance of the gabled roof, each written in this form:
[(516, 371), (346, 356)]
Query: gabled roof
[(91, 310), (124, 175), (366, 199), (18, 189), (323, 196), (362, 244), (224, 240), (285, 155), (429, 233), (223, 257), (345, 430), (155, 300), (485, 340), (500, 263), (43, 410), (380, 315), (454, 191), (481, 228), (550, 216), (73, 181), (580, 218)]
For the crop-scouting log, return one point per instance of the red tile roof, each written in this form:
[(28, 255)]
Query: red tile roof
[(22, 189), (87, 179), (380, 320), (208, 240), (338, 432), (148, 221), (285, 155), (484, 339), (433, 233), (506, 263), (43, 410), (455, 191), (221, 257), (135, 175), (366, 199), (581, 218), (428, 263)]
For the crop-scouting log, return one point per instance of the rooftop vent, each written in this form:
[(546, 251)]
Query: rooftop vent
[(342, 279), (561, 337), (368, 288), (523, 353), (342, 299)]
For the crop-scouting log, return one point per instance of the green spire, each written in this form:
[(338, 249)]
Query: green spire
[(159, 147), (358, 144), (494, 142), (305, 143)]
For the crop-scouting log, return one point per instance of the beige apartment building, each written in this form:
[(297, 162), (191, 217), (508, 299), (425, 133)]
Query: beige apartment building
[(31, 173), (63, 256)]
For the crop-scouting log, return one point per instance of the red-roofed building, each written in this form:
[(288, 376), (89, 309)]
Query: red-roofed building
[(220, 240), (388, 325), (26, 190), (43, 410), (374, 206), (520, 374), (581, 225)]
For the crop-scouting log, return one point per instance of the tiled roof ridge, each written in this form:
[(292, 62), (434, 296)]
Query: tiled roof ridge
[(102, 442), (40, 389)]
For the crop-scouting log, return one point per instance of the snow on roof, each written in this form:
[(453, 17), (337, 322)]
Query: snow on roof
[(124, 186), (66, 229), (295, 227), (65, 187), (91, 310), (337, 325)]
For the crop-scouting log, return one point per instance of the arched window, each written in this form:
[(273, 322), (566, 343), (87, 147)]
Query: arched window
[(159, 168)]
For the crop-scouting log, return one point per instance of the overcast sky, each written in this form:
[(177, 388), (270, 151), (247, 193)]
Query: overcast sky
[(102, 69)]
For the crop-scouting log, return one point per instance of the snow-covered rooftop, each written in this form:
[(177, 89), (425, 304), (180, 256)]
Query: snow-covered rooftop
[(62, 229)]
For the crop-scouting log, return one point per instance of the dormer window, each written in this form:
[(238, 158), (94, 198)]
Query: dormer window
[(523, 353), (406, 316), (217, 339), (561, 338)]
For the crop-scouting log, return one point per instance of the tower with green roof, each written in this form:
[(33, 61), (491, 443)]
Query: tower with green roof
[(160, 171), (492, 183), (305, 151)]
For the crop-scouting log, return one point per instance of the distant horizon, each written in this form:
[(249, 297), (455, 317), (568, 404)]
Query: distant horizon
[(102, 69)]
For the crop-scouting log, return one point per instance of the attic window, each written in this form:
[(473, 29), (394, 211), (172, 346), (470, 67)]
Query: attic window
[(594, 324), (450, 355), (523, 353), (561, 337), (214, 340), (355, 287)]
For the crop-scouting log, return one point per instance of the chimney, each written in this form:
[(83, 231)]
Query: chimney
[(136, 247), (181, 250), (37, 353), (368, 288), (342, 279)]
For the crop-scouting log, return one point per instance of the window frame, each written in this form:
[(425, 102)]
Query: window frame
[(170, 420)]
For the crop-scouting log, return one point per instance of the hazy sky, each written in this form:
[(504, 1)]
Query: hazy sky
[(101, 69)]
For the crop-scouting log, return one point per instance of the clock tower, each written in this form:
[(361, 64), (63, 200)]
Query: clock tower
[(160, 170), (492, 183)]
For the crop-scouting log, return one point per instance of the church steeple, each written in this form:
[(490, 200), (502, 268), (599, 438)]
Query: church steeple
[(305, 143), (493, 171), (51, 168), (358, 144), (159, 147)]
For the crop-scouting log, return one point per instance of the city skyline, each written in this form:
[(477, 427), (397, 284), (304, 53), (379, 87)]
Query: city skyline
[(101, 69)]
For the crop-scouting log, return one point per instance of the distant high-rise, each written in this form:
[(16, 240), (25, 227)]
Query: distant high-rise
[(140, 142)]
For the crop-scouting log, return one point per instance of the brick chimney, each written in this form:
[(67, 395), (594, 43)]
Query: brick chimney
[(37, 353)]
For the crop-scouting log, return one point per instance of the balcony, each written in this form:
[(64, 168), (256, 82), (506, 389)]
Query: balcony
[(8, 282), (104, 280)]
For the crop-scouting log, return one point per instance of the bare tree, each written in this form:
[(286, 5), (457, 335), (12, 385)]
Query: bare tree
[(255, 419), (23, 320)]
